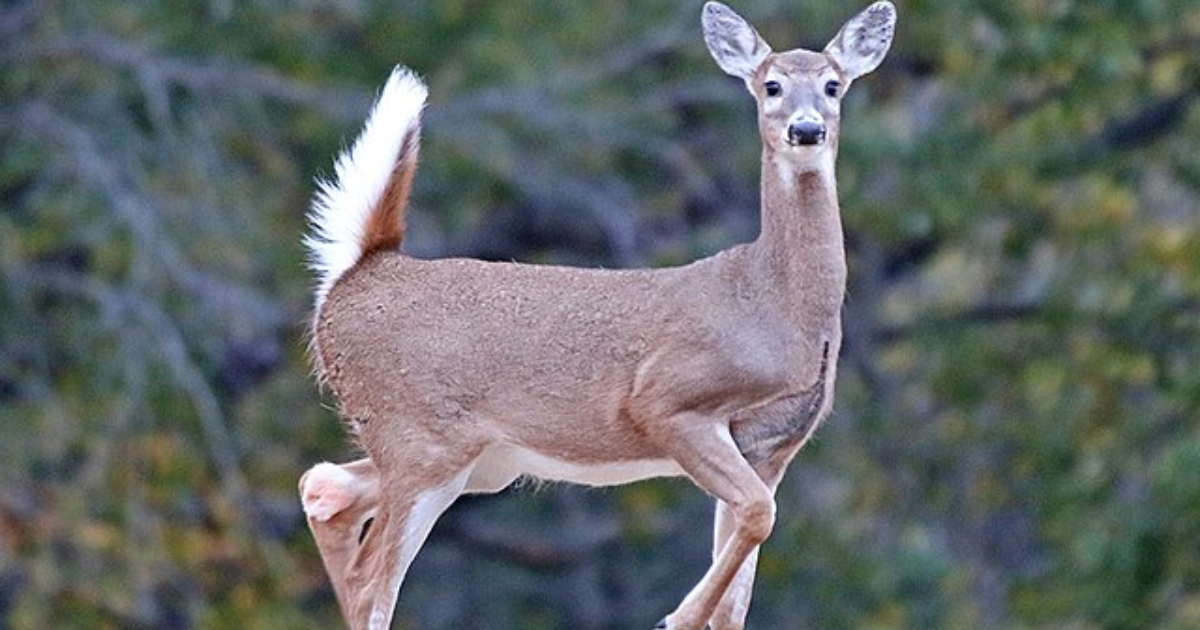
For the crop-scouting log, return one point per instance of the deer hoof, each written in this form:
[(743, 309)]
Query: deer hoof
[(662, 625)]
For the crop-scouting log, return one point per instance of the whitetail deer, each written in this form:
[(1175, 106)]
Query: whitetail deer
[(458, 376)]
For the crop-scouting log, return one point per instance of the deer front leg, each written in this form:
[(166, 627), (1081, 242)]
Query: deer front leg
[(731, 611), (709, 455)]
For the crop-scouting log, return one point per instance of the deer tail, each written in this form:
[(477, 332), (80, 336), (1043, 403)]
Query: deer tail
[(361, 210)]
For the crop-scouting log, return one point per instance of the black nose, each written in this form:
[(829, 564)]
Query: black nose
[(806, 133)]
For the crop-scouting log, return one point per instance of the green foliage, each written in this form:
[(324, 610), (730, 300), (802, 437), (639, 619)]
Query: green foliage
[(1016, 443)]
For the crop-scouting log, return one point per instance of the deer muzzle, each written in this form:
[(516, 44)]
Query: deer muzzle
[(806, 133)]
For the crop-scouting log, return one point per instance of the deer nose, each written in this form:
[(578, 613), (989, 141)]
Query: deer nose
[(806, 133)]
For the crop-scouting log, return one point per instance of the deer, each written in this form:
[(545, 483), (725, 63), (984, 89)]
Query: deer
[(458, 376)]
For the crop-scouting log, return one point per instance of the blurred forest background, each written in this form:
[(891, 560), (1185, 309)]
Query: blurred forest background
[(1016, 442)]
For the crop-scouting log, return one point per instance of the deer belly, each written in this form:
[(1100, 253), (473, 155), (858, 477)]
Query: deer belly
[(511, 461)]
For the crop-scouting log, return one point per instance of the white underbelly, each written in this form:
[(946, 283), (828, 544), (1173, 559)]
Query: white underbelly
[(499, 465)]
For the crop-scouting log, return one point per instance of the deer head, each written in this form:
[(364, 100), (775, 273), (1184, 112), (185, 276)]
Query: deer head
[(799, 92)]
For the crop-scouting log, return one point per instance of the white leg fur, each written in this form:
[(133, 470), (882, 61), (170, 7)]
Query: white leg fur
[(419, 523)]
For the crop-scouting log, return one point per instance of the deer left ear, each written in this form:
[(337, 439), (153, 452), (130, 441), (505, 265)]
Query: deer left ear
[(864, 40)]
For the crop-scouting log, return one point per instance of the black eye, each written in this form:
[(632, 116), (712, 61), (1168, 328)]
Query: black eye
[(831, 88), (773, 88)]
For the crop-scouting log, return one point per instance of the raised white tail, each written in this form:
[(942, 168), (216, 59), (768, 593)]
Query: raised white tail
[(362, 209)]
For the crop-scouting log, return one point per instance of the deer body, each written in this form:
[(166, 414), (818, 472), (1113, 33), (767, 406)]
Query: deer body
[(459, 375), (590, 359)]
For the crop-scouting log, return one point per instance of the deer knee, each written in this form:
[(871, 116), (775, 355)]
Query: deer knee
[(328, 489), (756, 519)]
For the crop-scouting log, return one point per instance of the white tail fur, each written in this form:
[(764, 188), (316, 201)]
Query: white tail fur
[(343, 206)]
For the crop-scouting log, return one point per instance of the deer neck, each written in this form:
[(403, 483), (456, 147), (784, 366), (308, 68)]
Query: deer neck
[(801, 248)]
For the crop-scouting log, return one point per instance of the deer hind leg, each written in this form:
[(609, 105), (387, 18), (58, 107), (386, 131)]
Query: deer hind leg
[(406, 515), (406, 520), (369, 526), (709, 455), (340, 502)]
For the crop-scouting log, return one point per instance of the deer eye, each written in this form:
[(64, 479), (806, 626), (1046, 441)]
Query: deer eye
[(831, 88), (773, 88)]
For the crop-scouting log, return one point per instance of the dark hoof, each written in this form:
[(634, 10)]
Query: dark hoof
[(662, 625)]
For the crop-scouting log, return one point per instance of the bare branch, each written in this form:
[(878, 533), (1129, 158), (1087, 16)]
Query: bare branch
[(997, 313), (533, 550), (16, 17), (978, 314), (126, 306), (212, 76), (147, 317), (1149, 123), (136, 214)]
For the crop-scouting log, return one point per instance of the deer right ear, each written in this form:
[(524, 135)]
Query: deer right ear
[(735, 44)]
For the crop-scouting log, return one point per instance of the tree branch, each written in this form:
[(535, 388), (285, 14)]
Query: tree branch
[(974, 315), (213, 76), (533, 550), (98, 170), (1145, 125)]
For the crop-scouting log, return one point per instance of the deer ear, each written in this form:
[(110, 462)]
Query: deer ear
[(735, 44), (864, 40)]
